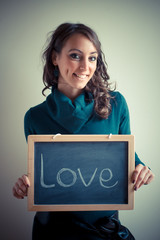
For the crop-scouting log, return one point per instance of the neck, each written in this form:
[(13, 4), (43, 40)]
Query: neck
[(71, 93)]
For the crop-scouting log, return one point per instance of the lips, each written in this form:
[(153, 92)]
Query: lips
[(81, 76)]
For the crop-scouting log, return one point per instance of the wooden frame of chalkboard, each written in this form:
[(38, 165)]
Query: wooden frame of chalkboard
[(80, 172)]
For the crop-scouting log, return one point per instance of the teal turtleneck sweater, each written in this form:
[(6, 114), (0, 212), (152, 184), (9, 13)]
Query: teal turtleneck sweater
[(59, 115)]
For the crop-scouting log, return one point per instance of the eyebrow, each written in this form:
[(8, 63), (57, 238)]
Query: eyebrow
[(75, 49)]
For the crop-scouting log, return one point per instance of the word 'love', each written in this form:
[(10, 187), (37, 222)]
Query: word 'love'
[(104, 182)]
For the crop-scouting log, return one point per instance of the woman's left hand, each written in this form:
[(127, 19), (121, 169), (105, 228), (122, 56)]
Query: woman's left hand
[(142, 175)]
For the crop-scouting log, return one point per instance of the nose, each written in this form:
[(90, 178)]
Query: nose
[(84, 65)]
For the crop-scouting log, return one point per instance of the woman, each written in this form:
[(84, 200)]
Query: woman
[(81, 102)]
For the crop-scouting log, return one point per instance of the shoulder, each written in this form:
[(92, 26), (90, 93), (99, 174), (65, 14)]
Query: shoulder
[(117, 95), (36, 110), (118, 98), (32, 117), (33, 114), (119, 104)]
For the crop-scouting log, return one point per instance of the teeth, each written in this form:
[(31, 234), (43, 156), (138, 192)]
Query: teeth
[(81, 76)]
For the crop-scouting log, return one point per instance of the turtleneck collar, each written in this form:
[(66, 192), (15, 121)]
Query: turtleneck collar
[(71, 116)]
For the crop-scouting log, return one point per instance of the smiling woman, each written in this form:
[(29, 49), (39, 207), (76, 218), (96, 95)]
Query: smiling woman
[(81, 102)]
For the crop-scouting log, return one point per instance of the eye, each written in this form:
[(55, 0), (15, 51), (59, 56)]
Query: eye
[(93, 58), (75, 56)]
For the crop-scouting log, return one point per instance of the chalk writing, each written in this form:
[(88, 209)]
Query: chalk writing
[(59, 181), (42, 176), (90, 181), (102, 181)]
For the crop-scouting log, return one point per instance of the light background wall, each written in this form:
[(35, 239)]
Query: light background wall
[(130, 36)]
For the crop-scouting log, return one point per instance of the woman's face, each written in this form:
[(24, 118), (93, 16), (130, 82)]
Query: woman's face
[(76, 62)]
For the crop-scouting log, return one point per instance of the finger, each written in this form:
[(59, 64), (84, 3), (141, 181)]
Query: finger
[(21, 187), (24, 183), (15, 194), (150, 179), (141, 179), (136, 173), (144, 182), (26, 180), (19, 190)]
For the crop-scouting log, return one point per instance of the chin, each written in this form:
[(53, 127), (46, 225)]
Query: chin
[(79, 87)]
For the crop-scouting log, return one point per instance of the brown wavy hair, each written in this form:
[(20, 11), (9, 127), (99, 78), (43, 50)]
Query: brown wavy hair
[(98, 85)]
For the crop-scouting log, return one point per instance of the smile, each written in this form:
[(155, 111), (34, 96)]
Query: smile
[(82, 76)]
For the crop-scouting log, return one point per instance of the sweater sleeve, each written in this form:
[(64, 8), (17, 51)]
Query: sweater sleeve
[(28, 129), (124, 127)]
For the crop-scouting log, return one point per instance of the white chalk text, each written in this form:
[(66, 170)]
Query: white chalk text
[(104, 182)]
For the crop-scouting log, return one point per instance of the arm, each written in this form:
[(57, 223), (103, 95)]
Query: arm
[(142, 175), (20, 188)]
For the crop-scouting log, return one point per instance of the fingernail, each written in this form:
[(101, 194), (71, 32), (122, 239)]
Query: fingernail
[(27, 185), (133, 181), (135, 188)]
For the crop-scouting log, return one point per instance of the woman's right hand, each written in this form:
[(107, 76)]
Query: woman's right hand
[(20, 188)]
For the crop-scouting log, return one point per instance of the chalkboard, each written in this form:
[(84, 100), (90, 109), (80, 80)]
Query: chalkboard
[(80, 172)]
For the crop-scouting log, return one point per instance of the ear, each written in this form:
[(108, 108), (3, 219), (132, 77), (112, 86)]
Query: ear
[(54, 58)]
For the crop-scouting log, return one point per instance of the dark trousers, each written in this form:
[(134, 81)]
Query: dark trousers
[(108, 228)]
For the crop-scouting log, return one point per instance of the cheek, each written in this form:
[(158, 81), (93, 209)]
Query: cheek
[(65, 67), (93, 68), (71, 67)]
